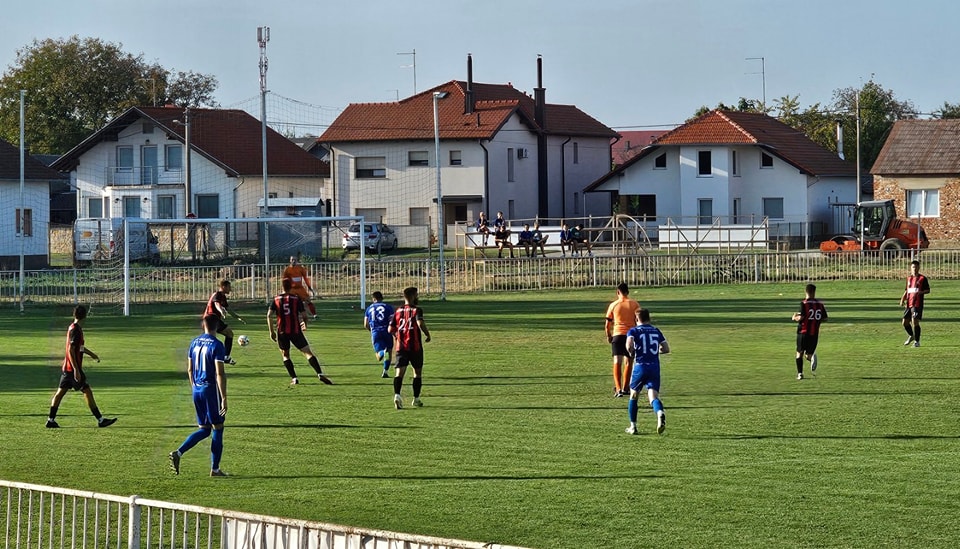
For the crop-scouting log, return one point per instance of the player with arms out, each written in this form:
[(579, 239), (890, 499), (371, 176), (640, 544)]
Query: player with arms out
[(71, 372), (217, 306), (209, 382), (646, 343), (301, 287), (621, 316), (812, 313), (376, 320), (912, 298), (288, 308), (408, 325)]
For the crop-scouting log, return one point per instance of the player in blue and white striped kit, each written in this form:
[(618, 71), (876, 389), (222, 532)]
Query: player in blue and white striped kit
[(376, 319), (646, 343)]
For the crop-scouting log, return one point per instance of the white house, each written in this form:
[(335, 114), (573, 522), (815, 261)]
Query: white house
[(134, 166), (500, 150), (734, 168), (33, 240)]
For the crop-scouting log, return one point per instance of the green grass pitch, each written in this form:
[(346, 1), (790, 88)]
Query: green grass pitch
[(519, 440)]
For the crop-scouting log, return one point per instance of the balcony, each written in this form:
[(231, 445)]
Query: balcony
[(142, 175)]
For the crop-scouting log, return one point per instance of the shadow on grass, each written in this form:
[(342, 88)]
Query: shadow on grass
[(830, 437), (458, 478)]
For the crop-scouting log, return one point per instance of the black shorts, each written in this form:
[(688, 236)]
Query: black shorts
[(410, 358), (221, 326), (298, 340), (67, 381), (807, 344), (618, 345), (915, 313)]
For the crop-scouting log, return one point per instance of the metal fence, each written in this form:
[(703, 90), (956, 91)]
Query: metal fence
[(341, 279), (49, 517)]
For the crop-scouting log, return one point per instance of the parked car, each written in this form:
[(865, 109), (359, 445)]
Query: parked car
[(100, 239), (375, 236)]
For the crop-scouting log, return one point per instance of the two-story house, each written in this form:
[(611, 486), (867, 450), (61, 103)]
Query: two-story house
[(25, 217), (734, 167), (136, 166), (500, 150)]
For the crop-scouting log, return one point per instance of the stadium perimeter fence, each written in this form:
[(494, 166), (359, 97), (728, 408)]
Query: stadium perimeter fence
[(49, 517), (342, 279)]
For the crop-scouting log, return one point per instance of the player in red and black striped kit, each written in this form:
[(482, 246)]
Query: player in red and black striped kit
[(291, 316), (408, 326), (811, 314), (912, 298)]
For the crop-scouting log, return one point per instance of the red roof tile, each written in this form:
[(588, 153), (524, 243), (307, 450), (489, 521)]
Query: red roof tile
[(33, 169), (920, 147), (631, 142), (412, 118)]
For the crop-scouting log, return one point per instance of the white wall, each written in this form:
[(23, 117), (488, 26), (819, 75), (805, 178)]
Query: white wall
[(36, 197)]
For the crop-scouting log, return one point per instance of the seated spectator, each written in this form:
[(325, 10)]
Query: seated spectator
[(539, 239), (566, 241), (482, 226), (525, 239), (501, 237), (499, 221), (580, 239)]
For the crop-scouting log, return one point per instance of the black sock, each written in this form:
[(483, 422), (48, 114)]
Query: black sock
[(315, 364), (916, 333), (228, 343), (288, 364), (909, 330), (397, 385), (53, 412), (96, 413), (800, 364), (417, 384)]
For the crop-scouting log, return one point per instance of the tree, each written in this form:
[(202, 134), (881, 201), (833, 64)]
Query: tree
[(948, 110), (74, 87), (190, 89), (879, 109)]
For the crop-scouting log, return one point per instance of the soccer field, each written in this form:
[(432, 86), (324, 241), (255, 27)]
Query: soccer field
[(519, 440)]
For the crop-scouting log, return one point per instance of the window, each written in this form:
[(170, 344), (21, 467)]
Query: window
[(166, 206), (576, 152), (148, 165), (923, 203), (418, 158), (773, 208), (576, 203), (456, 158), (420, 216), (208, 205), (704, 164), (734, 163), (510, 174), (131, 206), (173, 158), (766, 161), (705, 209), (660, 162), (27, 222), (124, 159), (147, 127), (371, 167), (511, 213), (95, 207)]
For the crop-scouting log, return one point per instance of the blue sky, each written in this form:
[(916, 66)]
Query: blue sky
[(630, 64)]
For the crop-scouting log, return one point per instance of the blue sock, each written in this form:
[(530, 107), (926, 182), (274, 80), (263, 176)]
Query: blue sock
[(657, 405), (386, 364), (632, 410), (216, 448), (193, 439)]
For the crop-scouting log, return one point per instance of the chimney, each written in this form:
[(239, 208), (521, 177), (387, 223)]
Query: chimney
[(840, 138), (468, 97), (539, 95)]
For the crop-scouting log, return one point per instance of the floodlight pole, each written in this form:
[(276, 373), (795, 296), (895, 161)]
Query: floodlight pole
[(263, 36), (23, 224), (437, 96)]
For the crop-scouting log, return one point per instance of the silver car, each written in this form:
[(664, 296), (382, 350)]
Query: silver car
[(375, 236)]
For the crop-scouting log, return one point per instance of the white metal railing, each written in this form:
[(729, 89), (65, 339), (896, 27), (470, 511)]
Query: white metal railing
[(48, 517)]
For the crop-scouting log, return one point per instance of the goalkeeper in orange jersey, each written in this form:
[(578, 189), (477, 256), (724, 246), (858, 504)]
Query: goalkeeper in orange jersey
[(300, 283)]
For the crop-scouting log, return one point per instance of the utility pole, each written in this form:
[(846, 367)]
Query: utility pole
[(263, 36)]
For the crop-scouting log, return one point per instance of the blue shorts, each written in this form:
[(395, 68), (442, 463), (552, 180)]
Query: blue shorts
[(382, 341), (645, 376), (207, 403)]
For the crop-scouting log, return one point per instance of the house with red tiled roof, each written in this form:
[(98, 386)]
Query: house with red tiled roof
[(500, 150), (734, 167), (135, 167), (631, 142), (919, 169), (35, 219)]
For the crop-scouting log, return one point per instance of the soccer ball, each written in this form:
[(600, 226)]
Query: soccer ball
[(243, 340)]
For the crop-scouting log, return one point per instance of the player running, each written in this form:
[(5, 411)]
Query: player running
[(301, 287), (209, 382), (812, 313), (217, 306), (376, 320), (288, 308), (646, 343), (408, 325), (72, 376)]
